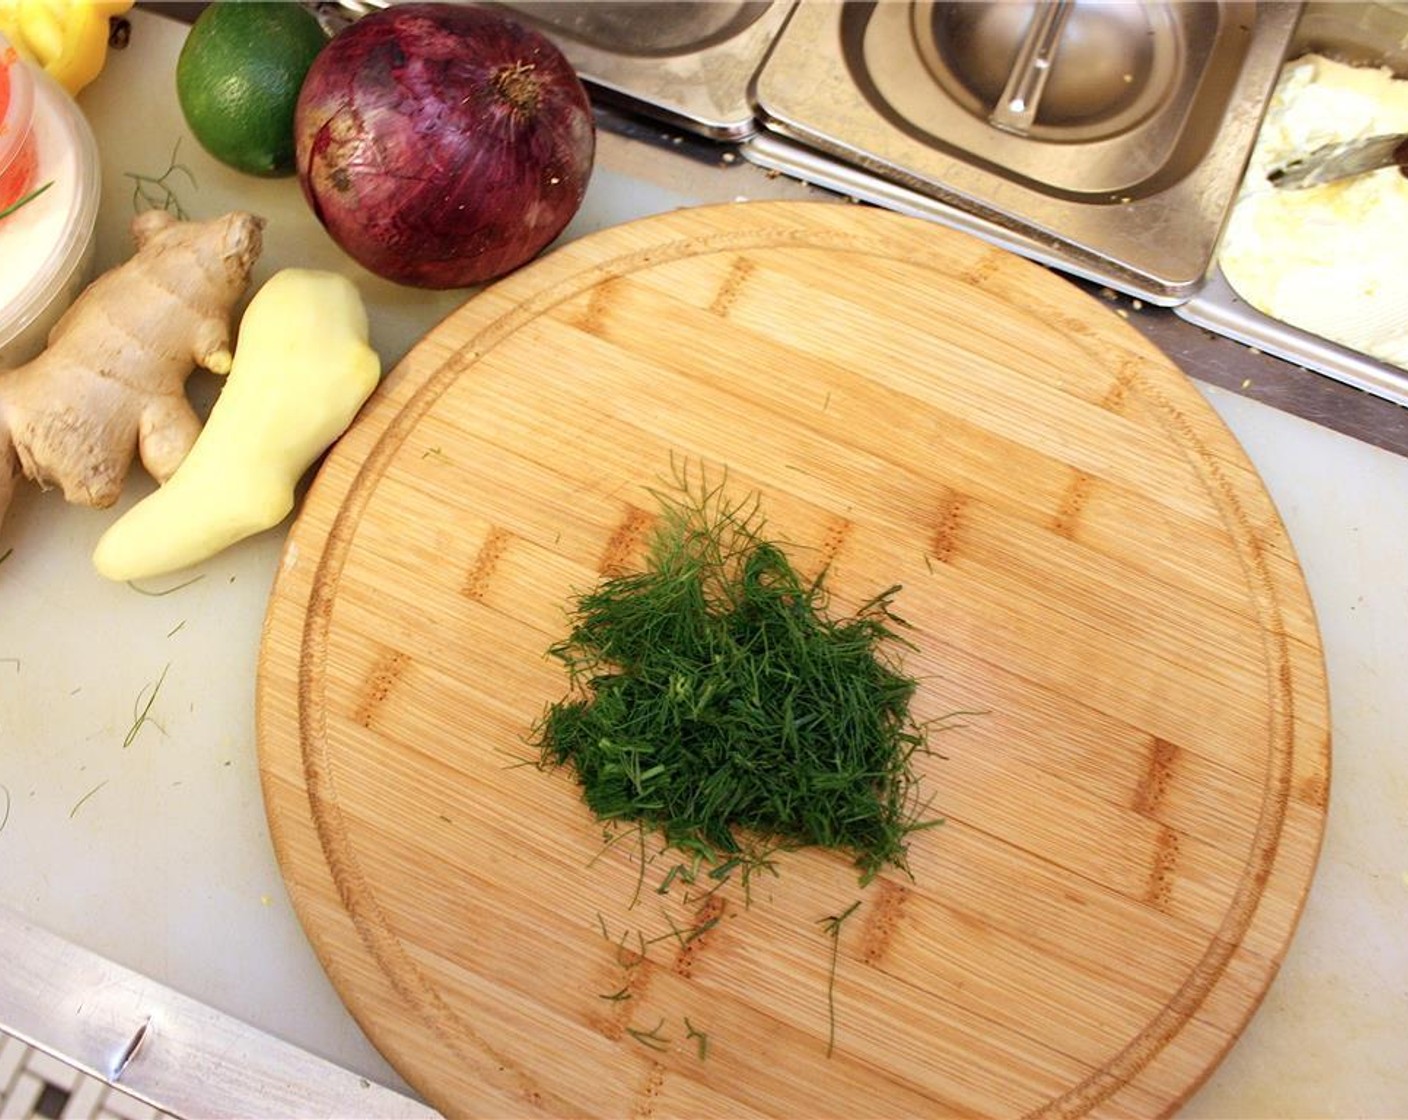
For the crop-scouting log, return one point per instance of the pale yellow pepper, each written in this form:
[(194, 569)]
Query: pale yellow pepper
[(303, 367), (67, 38)]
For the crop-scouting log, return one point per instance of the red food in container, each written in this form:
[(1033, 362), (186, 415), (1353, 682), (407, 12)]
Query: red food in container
[(19, 154)]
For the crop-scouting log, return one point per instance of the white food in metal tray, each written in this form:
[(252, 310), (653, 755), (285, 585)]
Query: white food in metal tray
[(1330, 259)]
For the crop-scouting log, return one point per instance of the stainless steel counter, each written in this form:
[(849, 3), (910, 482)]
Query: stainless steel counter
[(143, 920)]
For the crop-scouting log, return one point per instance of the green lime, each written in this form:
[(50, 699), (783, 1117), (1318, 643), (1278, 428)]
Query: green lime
[(238, 79)]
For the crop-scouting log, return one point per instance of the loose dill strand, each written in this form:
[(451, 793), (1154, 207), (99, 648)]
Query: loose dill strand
[(640, 871), (167, 590), (678, 870), (832, 928), (84, 799), (143, 716), (651, 1038), (26, 199), (156, 191), (701, 1039), (702, 928)]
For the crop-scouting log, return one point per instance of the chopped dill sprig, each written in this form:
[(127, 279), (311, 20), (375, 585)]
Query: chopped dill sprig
[(832, 927), (652, 1038), (84, 799), (24, 200), (166, 590), (700, 1038), (155, 192), (714, 700), (142, 712)]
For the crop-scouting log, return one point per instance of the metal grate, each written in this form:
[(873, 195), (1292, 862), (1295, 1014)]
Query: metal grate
[(34, 1085)]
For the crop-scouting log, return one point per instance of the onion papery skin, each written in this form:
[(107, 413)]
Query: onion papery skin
[(442, 145)]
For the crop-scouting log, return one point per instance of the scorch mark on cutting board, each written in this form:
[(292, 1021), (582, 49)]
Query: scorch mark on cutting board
[(886, 912), (592, 320), (383, 677), (982, 269), (486, 563), (738, 274), (649, 1094), (700, 934), (624, 545), (1315, 791), (1118, 395), (838, 530), (1159, 892), (1163, 757), (1073, 504), (623, 986), (948, 519)]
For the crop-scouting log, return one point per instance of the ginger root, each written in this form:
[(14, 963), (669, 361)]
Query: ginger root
[(111, 382), (302, 370)]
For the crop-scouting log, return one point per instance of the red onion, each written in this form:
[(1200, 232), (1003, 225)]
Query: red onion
[(441, 144)]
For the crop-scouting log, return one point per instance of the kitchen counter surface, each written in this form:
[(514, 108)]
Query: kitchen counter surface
[(146, 866)]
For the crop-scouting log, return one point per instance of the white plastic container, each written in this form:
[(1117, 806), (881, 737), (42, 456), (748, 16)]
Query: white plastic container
[(46, 246)]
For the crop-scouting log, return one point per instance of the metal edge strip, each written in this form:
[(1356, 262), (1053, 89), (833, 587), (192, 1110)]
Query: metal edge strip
[(167, 1050), (1218, 308)]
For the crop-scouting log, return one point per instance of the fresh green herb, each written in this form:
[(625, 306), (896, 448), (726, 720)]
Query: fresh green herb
[(84, 799), (680, 871), (165, 590), (24, 200), (155, 192), (832, 927), (702, 928), (141, 712), (640, 864), (675, 932), (617, 996), (652, 1038), (700, 1038), (715, 701), (626, 957), (685, 936), (6, 554)]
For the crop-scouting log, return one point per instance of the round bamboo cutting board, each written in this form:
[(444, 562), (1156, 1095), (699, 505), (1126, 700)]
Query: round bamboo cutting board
[(1132, 806)]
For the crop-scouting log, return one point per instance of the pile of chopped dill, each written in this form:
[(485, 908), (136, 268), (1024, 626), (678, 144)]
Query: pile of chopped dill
[(716, 702)]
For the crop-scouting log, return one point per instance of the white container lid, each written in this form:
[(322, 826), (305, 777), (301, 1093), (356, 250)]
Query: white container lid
[(46, 247)]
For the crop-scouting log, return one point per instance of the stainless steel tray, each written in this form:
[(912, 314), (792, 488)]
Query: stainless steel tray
[(1135, 186), (689, 63), (1362, 34), (1219, 309)]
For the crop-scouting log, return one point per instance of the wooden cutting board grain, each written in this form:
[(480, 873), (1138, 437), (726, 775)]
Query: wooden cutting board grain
[(1090, 564)]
